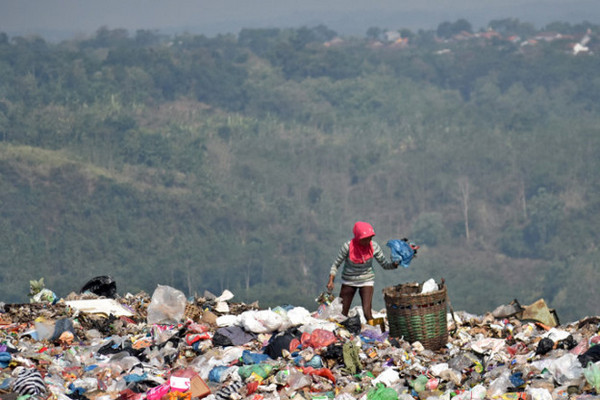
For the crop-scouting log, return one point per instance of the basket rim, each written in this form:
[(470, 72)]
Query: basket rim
[(441, 288)]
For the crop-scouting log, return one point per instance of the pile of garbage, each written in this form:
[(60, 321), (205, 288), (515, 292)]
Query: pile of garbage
[(97, 345)]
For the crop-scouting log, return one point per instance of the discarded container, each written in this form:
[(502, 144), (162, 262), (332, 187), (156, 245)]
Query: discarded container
[(417, 316)]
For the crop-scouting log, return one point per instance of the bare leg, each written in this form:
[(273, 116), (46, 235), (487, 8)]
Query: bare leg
[(366, 295), (347, 294)]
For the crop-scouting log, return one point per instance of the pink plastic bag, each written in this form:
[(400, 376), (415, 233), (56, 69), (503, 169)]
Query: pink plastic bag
[(156, 393)]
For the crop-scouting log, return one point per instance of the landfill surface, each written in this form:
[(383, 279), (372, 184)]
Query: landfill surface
[(169, 347)]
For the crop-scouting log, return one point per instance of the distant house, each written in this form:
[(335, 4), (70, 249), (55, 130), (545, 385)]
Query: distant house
[(463, 35), (336, 41), (548, 36), (400, 42), (489, 34), (375, 44), (392, 36)]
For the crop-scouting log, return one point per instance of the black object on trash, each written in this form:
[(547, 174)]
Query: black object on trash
[(544, 346), (61, 326), (569, 343), (334, 351), (101, 286), (352, 324), (592, 355), (280, 342)]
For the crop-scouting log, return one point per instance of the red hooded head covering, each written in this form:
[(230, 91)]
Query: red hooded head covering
[(359, 254)]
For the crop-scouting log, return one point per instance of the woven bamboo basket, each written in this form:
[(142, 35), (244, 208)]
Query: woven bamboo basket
[(417, 317)]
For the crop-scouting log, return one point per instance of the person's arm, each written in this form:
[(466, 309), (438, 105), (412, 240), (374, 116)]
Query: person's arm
[(341, 257), (381, 258)]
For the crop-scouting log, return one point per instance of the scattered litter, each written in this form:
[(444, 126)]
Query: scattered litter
[(167, 347)]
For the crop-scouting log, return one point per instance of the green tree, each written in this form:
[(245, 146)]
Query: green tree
[(545, 213), (429, 229), (374, 33), (512, 26)]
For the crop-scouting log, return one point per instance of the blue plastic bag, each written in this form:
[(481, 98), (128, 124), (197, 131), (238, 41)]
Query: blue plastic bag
[(249, 358), (216, 374), (402, 251)]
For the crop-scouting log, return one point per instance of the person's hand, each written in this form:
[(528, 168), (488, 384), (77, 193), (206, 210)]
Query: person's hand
[(330, 286)]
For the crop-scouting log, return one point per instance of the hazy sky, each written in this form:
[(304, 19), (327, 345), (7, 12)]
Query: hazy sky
[(67, 17)]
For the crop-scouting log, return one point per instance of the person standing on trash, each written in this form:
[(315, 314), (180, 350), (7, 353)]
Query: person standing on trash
[(357, 256)]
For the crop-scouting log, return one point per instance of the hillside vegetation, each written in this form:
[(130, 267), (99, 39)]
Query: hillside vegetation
[(241, 162)]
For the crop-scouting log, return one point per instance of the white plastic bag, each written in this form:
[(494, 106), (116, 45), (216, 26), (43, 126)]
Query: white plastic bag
[(263, 321), (299, 316), (429, 286), (228, 320), (388, 377), (269, 319)]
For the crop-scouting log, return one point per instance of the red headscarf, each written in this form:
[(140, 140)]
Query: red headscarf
[(359, 254)]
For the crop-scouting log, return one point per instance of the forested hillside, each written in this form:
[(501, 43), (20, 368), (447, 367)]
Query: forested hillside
[(241, 162)]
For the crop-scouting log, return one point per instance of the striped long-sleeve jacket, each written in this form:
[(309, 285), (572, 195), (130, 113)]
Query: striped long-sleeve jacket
[(359, 274)]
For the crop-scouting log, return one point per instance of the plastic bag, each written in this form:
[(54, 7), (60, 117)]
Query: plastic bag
[(419, 383), (5, 359), (591, 355), (101, 286), (499, 386), (167, 306), (402, 251), (389, 377), (263, 321), (249, 357), (476, 393), (352, 324), (297, 380), (544, 346), (324, 372), (219, 374), (592, 375), (318, 338), (517, 380), (314, 362), (298, 316), (261, 370), (565, 368), (382, 393), (429, 286)]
